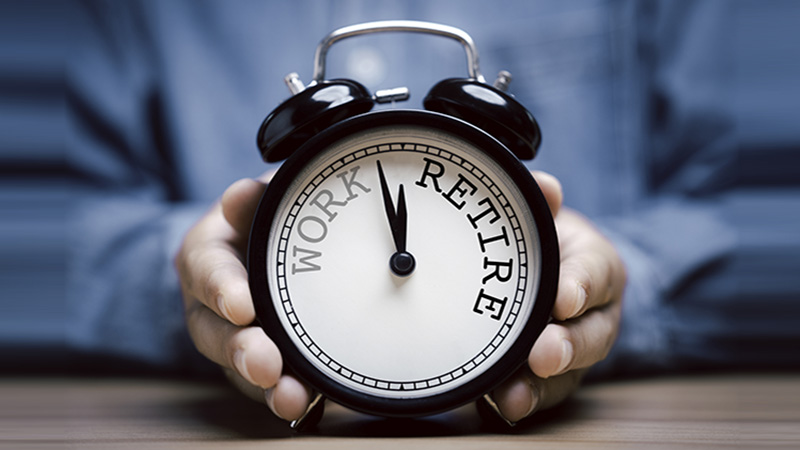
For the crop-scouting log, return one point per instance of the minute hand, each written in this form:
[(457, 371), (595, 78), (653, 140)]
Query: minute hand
[(401, 262), (395, 218)]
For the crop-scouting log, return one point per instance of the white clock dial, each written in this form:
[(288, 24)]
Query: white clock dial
[(467, 299)]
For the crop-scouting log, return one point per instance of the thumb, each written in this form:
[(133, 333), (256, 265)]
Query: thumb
[(551, 188), (239, 203)]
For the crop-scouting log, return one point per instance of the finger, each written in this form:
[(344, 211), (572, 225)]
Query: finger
[(587, 280), (239, 204), (289, 399), (551, 188), (592, 274), (247, 350), (575, 344), (524, 393), (213, 273)]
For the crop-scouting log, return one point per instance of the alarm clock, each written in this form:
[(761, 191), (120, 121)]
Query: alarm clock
[(403, 261)]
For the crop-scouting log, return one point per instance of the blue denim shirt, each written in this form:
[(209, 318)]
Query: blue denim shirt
[(672, 125)]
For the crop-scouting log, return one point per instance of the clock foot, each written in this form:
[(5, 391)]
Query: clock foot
[(490, 413), (311, 416)]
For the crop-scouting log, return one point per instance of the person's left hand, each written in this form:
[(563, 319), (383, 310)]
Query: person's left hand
[(586, 315)]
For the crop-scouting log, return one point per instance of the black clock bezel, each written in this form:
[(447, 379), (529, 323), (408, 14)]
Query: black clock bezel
[(516, 355)]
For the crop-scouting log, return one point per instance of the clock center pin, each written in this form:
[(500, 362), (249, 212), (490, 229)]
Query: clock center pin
[(402, 264)]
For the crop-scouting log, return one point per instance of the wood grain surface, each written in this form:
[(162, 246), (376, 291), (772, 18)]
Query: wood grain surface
[(709, 411)]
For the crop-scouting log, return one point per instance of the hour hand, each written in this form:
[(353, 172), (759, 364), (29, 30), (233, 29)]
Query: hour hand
[(401, 221)]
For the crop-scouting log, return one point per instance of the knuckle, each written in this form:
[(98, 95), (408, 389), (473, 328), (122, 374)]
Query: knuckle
[(554, 333), (611, 331), (576, 269), (192, 311), (193, 261), (217, 269)]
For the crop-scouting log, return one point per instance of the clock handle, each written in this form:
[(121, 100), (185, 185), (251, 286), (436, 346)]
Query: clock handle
[(323, 103), (486, 106), (473, 67)]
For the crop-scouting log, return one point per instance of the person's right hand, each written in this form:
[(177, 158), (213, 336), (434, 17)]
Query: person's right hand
[(219, 308)]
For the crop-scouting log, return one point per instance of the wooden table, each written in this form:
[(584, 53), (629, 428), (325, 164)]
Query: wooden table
[(740, 410)]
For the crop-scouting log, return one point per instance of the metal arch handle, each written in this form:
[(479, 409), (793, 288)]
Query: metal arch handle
[(398, 25)]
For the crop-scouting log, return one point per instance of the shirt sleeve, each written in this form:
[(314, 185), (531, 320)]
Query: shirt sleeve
[(710, 250), (127, 212)]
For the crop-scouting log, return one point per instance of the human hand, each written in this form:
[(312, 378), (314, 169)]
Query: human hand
[(219, 308), (586, 315)]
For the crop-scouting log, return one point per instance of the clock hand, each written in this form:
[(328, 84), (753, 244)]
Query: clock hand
[(401, 262), (388, 205), (402, 221)]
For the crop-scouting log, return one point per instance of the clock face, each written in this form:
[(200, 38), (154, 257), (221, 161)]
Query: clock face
[(347, 320)]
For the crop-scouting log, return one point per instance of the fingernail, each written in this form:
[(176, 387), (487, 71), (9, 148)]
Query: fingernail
[(268, 397), (222, 307), (241, 366), (534, 399), (580, 299), (567, 352)]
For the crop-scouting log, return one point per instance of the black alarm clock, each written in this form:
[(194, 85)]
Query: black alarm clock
[(403, 261)]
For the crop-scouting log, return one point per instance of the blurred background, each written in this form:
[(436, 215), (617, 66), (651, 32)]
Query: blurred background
[(671, 124)]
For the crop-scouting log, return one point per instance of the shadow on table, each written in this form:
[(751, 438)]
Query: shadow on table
[(231, 415), (235, 415)]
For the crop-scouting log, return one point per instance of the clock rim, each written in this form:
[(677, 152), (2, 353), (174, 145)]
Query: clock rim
[(507, 364)]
